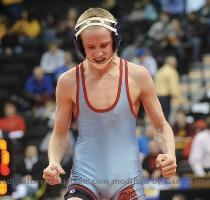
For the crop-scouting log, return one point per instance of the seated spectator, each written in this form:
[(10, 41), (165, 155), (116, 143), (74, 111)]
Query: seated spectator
[(46, 113), (27, 26), (66, 27), (49, 28), (181, 127), (198, 126), (28, 173), (143, 10), (195, 32), (12, 123), (3, 26), (147, 61), (199, 159), (175, 7), (112, 6), (149, 162), (129, 51), (52, 58), (13, 9), (69, 63), (205, 17), (39, 87), (157, 32), (143, 140)]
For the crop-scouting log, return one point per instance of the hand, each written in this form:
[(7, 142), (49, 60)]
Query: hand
[(167, 165), (51, 174)]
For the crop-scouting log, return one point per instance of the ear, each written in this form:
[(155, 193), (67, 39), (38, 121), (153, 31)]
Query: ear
[(79, 46)]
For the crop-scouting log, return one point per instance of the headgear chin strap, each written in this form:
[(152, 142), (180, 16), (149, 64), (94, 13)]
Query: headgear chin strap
[(112, 25), (101, 65)]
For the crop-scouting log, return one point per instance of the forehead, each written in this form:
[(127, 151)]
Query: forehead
[(96, 34)]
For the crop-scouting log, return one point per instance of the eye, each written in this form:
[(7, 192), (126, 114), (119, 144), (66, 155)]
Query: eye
[(103, 46), (90, 47)]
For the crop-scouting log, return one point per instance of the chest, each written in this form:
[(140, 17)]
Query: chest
[(103, 92)]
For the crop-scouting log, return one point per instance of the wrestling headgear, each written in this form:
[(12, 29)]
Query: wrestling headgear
[(112, 25)]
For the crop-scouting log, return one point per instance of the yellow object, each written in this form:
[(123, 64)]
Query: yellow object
[(5, 158), (3, 144), (167, 82), (3, 187), (3, 30), (24, 27), (10, 2)]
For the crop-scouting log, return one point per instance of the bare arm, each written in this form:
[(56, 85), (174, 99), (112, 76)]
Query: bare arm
[(153, 109), (59, 139)]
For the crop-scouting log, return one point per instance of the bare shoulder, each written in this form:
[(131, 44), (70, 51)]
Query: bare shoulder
[(138, 72), (67, 82)]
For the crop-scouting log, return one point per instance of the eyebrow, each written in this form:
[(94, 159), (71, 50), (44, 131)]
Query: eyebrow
[(106, 42)]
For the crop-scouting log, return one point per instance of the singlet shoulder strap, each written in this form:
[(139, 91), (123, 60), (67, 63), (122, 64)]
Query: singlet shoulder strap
[(77, 92), (127, 89)]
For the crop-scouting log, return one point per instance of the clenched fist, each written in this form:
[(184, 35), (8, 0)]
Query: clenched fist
[(167, 165), (51, 174)]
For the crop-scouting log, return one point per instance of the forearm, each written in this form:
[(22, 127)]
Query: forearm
[(58, 145), (168, 137)]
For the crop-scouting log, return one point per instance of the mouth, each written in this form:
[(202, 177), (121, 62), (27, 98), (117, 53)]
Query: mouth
[(101, 61)]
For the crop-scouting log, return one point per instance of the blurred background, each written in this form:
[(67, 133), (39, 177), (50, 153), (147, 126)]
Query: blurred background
[(171, 38)]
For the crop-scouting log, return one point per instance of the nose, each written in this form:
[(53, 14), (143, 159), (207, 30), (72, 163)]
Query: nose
[(98, 53)]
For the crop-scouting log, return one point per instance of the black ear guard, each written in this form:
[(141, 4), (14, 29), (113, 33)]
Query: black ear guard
[(116, 34)]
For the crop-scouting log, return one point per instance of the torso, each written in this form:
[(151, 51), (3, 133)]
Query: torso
[(102, 89)]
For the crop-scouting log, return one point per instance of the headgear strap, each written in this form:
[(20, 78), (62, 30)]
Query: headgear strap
[(95, 21)]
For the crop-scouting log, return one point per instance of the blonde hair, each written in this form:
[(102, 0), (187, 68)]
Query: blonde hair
[(95, 12)]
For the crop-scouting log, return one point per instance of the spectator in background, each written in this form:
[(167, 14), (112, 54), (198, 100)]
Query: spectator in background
[(143, 140), (3, 26), (149, 164), (205, 17), (198, 126), (199, 159), (112, 6), (195, 32), (13, 9), (175, 43), (174, 7), (39, 87), (12, 123), (49, 28), (157, 32), (52, 58), (180, 127), (142, 58), (66, 27), (28, 173), (143, 10), (69, 63), (129, 52), (167, 85), (27, 26)]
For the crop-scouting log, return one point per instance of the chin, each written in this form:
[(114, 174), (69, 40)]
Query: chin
[(101, 65)]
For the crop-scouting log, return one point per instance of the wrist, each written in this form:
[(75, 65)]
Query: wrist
[(52, 162)]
